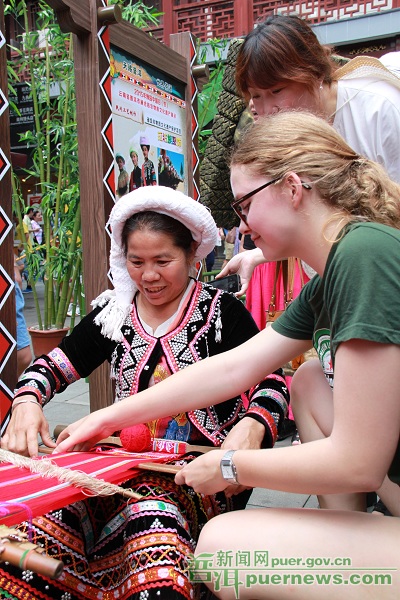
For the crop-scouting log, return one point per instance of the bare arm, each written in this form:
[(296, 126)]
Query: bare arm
[(247, 434), (357, 454), (208, 382), (17, 272), (389, 492)]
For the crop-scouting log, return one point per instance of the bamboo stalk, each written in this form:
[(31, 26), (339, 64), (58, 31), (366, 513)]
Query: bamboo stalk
[(62, 145), (62, 308)]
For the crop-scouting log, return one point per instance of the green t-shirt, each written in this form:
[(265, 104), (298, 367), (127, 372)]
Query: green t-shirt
[(357, 297)]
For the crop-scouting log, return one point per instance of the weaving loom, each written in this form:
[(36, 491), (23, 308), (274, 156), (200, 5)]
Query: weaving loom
[(16, 548), (21, 486), (26, 494)]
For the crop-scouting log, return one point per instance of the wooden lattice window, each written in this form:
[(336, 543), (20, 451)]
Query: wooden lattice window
[(318, 11), (205, 19)]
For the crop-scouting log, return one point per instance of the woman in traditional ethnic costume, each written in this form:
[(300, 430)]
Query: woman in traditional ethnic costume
[(135, 180), (302, 191), (148, 170), (157, 321)]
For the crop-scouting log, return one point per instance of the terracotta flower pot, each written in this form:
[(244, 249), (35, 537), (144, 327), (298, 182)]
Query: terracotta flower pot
[(45, 340)]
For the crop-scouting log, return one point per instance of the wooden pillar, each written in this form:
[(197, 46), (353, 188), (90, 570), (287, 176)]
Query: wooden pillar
[(8, 355), (243, 17), (168, 20), (185, 44)]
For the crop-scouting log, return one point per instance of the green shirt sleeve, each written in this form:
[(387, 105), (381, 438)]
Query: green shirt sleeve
[(297, 322), (362, 284)]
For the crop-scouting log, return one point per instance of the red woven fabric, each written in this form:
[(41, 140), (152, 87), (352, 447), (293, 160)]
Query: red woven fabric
[(19, 485)]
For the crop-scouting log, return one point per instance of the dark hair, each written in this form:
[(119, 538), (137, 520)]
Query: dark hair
[(29, 209), (35, 212), (180, 235), (283, 47)]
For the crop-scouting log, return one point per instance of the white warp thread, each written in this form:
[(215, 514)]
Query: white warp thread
[(47, 469)]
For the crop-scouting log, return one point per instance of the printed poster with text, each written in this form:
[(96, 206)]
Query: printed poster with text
[(148, 125)]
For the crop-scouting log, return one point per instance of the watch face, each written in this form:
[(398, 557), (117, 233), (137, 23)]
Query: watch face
[(227, 471)]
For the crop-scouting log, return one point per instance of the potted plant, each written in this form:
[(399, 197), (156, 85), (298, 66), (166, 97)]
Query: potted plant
[(45, 61)]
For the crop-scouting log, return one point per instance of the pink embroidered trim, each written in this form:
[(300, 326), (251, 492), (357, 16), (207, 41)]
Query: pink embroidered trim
[(266, 416), (29, 389), (64, 364), (273, 394)]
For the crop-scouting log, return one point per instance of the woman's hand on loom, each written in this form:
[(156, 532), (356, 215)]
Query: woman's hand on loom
[(27, 420), (84, 434), (204, 473), (244, 264)]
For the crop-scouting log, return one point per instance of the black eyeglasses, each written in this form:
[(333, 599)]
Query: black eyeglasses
[(236, 204)]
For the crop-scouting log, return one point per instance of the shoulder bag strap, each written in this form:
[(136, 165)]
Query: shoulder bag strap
[(287, 294), (291, 267), (272, 305), (301, 272)]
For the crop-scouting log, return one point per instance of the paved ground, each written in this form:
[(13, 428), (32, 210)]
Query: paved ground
[(73, 404)]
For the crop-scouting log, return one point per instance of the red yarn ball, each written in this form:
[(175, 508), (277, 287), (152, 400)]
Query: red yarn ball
[(136, 438)]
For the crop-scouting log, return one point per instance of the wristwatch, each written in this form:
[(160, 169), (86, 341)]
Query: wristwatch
[(228, 468)]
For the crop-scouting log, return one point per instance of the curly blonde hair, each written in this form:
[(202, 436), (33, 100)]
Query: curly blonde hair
[(301, 142)]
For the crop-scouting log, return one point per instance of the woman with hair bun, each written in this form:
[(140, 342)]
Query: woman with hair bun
[(301, 190), (282, 65)]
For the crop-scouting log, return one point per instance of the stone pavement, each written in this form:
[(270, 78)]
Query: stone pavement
[(73, 404)]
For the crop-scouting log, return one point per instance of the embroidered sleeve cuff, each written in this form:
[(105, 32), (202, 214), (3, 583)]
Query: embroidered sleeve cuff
[(29, 389), (263, 416), (269, 401)]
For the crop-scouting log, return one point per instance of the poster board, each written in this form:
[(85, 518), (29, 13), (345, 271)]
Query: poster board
[(151, 95), (149, 125)]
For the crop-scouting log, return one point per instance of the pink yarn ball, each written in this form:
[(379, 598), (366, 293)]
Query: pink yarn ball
[(136, 438)]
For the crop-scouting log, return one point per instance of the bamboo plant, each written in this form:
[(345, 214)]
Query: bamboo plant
[(54, 152), (53, 142), (54, 169), (211, 90)]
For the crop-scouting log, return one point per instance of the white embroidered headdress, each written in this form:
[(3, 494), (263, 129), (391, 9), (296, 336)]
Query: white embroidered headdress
[(195, 216)]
